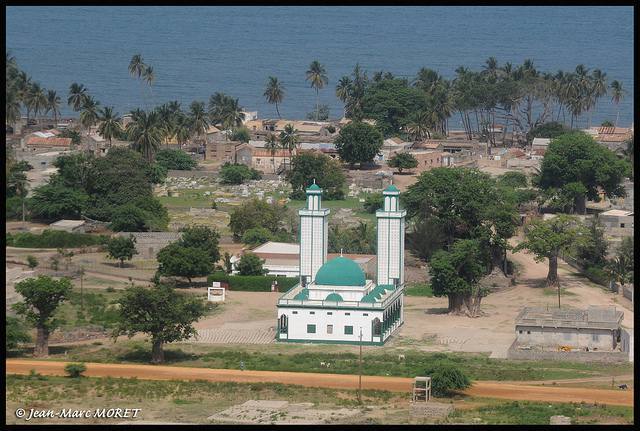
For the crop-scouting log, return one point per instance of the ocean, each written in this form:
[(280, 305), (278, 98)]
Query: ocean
[(197, 51)]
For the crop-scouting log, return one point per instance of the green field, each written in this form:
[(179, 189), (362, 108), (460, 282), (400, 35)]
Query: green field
[(305, 358), (419, 289)]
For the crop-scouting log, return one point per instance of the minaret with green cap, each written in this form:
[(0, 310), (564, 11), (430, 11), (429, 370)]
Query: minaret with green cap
[(314, 235), (391, 226)]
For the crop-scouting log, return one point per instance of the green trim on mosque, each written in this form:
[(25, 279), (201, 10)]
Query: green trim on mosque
[(391, 188), (340, 271), (302, 295), (314, 186)]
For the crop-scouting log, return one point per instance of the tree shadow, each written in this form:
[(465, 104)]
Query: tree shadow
[(170, 356), (436, 310), (117, 265)]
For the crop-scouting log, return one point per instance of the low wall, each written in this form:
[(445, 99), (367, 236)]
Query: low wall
[(192, 174), (539, 355), (627, 292)]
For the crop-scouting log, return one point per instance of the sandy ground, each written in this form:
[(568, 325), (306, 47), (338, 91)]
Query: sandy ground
[(336, 381)]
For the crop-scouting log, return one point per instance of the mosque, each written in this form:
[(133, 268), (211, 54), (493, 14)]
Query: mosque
[(334, 302)]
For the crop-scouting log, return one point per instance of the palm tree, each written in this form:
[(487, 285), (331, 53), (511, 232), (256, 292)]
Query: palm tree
[(77, 96), (36, 99), (274, 93), (136, 66), (598, 87), (110, 124), (317, 76), (182, 129), (289, 139), (617, 94), (343, 91), (618, 270), (271, 144), (90, 113), (225, 110), (149, 77), (12, 107), (53, 105), (419, 125), (144, 133), (198, 121)]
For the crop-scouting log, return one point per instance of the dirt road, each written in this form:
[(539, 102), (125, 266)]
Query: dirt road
[(510, 391)]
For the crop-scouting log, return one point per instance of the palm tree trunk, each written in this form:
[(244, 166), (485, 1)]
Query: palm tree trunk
[(277, 110), (617, 117), (317, 104)]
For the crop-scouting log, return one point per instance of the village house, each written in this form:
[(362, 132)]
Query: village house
[(617, 222), (75, 226), (48, 139), (597, 328), (283, 259), (540, 143), (391, 146)]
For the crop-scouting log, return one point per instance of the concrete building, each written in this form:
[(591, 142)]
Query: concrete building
[(148, 244), (76, 226), (334, 302), (617, 223), (220, 151), (597, 328), (626, 342), (540, 143)]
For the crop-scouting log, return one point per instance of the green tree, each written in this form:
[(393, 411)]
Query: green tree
[(617, 94), (403, 161), (110, 124), (358, 142), (256, 236), (203, 238), (32, 262), (274, 92), (271, 144), (121, 248), (577, 165), (241, 134), (425, 237), (168, 316), (145, 133), (90, 113), (255, 213), (327, 173), (289, 139), (447, 378), (250, 264), (129, 218), (593, 252), (228, 267), (360, 239), (176, 260), (552, 130), (15, 333), (53, 105), (317, 77), (373, 202), (237, 173), (75, 370), (513, 179), (54, 202), (455, 274), (547, 239), (42, 297), (226, 111), (77, 96), (321, 114)]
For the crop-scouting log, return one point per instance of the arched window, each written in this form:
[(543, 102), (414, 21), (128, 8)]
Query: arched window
[(283, 324), (377, 327)]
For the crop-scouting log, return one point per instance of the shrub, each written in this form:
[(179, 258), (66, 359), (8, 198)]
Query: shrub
[(253, 283), (32, 261), (447, 377), (257, 236), (597, 275), (75, 370), (54, 239), (237, 173), (13, 208), (175, 159)]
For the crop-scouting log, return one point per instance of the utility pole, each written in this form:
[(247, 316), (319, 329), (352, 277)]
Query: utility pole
[(81, 273), (360, 371), (558, 295)]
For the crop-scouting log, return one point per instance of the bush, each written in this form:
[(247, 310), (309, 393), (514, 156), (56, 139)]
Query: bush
[(54, 239), (257, 236), (13, 208), (32, 261), (597, 275), (175, 159), (75, 370), (237, 173), (253, 283), (447, 377)]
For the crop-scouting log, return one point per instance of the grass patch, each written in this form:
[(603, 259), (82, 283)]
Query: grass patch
[(547, 291), (98, 308), (301, 358), (419, 289), (537, 413)]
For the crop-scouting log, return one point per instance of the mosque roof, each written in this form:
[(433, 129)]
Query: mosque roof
[(314, 186), (302, 295), (340, 271), (333, 297), (391, 188)]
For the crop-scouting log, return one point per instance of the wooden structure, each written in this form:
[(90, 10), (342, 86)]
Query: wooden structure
[(421, 389)]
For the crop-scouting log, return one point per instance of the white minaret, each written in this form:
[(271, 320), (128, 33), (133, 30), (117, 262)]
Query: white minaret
[(391, 238), (314, 235)]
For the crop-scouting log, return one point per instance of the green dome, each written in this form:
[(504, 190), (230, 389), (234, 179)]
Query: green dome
[(334, 297), (302, 295), (340, 272), (314, 186), (391, 188)]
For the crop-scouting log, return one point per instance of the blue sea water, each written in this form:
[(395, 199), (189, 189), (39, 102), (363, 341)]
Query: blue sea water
[(196, 51)]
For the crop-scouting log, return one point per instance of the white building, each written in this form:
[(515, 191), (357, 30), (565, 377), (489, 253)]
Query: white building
[(334, 302)]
